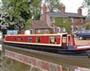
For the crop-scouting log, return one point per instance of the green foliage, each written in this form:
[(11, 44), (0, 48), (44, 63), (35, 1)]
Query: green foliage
[(86, 3), (22, 10), (63, 23), (86, 26), (36, 13), (28, 24), (36, 3), (54, 4), (35, 7), (59, 22), (16, 7)]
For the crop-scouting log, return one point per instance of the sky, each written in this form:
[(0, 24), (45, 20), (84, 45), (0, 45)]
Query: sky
[(73, 5)]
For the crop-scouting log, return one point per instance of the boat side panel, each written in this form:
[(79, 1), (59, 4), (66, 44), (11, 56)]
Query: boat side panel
[(33, 39), (58, 40), (24, 38), (44, 39)]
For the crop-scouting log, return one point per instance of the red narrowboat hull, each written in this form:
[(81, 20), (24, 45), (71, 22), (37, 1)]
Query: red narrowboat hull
[(45, 42)]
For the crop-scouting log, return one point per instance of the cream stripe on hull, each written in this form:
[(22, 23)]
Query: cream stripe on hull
[(58, 45)]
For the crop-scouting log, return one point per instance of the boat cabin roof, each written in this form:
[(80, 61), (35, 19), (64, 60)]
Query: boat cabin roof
[(39, 34)]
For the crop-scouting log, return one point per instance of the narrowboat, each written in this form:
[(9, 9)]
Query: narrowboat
[(50, 42)]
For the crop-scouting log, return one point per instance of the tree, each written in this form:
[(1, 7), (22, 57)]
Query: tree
[(86, 3), (54, 4), (26, 9), (35, 9), (16, 8), (86, 26), (21, 9), (63, 23)]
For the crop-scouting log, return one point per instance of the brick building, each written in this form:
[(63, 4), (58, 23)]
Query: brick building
[(44, 25), (47, 19)]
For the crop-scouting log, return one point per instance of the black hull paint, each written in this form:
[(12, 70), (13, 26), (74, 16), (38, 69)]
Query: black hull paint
[(54, 49)]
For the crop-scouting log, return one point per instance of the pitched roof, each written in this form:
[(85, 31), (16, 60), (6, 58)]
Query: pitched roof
[(72, 15), (88, 19), (40, 24), (58, 14)]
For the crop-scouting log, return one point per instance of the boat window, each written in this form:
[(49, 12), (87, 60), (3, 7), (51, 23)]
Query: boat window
[(52, 40), (38, 39), (30, 39), (64, 40)]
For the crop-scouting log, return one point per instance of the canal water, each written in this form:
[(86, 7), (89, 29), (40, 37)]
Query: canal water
[(24, 60)]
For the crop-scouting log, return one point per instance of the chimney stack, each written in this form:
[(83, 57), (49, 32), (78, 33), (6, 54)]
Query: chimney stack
[(62, 8), (79, 11)]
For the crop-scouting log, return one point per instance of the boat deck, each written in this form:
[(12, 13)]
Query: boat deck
[(82, 42)]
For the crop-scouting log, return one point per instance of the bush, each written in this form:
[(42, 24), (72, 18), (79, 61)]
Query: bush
[(63, 23), (86, 26)]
